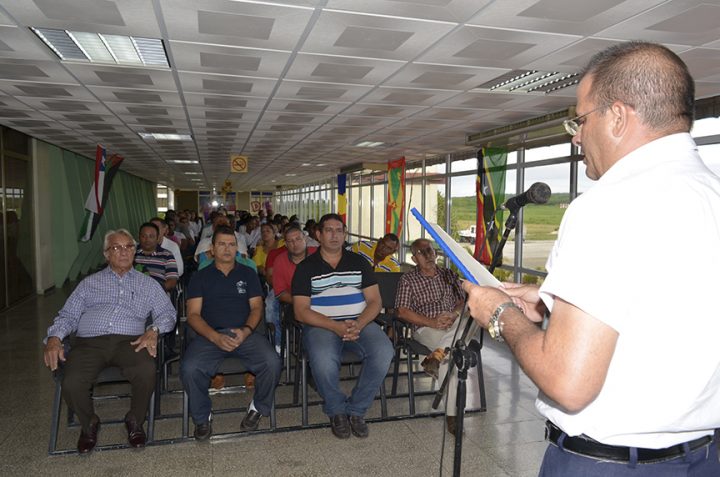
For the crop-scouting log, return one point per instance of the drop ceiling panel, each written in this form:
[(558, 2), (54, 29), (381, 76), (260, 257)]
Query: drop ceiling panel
[(443, 77), (367, 36), (560, 16), (492, 47), (226, 60), (686, 22), (440, 10), (236, 23), (293, 81), (122, 76), (336, 69), (224, 84), (121, 17)]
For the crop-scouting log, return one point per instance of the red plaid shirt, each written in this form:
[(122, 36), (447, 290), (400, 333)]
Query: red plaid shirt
[(429, 296)]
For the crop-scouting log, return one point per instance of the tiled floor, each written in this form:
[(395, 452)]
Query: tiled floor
[(507, 440)]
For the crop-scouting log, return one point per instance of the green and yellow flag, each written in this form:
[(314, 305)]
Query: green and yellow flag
[(396, 197), (490, 191)]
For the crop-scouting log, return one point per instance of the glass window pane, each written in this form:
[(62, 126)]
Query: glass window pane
[(463, 213), (354, 211), (542, 221), (413, 230), (464, 165), (435, 166), (547, 152), (365, 211), (379, 201), (435, 202)]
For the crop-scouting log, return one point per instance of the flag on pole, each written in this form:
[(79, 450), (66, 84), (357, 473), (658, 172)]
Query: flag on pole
[(105, 170), (394, 216), (490, 191), (342, 197)]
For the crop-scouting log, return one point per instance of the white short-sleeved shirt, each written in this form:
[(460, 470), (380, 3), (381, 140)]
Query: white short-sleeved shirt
[(640, 251)]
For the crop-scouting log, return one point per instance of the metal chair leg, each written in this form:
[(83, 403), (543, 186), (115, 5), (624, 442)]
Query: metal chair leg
[(55, 422), (304, 392)]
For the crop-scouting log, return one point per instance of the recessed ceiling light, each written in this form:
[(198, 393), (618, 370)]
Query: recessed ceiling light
[(321, 165), (289, 174), (369, 144), (104, 48), (305, 164), (166, 137), (183, 161)]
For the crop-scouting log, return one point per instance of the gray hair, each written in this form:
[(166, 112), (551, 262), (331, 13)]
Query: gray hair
[(110, 233)]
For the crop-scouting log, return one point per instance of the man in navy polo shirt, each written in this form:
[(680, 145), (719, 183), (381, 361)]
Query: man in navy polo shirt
[(224, 306), (336, 297)]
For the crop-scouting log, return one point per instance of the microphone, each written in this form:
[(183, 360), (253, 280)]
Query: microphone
[(538, 193)]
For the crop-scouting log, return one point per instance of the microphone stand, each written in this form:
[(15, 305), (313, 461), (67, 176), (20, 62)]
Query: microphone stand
[(465, 356)]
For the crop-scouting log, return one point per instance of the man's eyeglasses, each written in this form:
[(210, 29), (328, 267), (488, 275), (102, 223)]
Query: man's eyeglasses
[(117, 248), (426, 251), (573, 125)]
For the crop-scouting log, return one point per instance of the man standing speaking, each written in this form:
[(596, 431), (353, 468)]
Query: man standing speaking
[(628, 369)]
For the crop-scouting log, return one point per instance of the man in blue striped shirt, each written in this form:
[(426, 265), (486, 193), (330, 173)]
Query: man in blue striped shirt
[(151, 259), (336, 297), (107, 313)]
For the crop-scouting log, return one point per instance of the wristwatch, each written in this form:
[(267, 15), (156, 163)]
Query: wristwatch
[(495, 326), (153, 328)]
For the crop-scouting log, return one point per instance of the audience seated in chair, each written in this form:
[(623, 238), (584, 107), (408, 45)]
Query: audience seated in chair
[(431, 300), (380, 254), (224, 307), (336, 297), (107, 312), (153, 260)]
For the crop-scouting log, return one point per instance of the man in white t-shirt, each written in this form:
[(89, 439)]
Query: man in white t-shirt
[(628, 369)]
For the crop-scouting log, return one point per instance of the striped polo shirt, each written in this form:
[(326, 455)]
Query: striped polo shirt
[(334, 292), (160, 264)]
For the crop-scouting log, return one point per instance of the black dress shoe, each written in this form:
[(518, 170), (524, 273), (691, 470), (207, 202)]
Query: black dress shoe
[(340, 426), (203, 431), (136, 434), (87, 442), (251, 420), (358, 426)]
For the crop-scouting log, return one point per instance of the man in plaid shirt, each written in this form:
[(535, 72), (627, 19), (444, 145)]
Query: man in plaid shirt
[(431, 299)]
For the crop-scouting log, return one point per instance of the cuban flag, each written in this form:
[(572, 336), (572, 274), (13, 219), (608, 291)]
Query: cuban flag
[(105, 170)]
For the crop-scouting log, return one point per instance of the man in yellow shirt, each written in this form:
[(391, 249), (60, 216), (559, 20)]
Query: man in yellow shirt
[(379, 254)]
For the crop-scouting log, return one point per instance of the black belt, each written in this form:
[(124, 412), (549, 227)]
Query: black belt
[(588, 447)]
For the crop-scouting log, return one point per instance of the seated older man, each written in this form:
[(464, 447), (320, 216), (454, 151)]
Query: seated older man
[(107, 312), (431, 300)]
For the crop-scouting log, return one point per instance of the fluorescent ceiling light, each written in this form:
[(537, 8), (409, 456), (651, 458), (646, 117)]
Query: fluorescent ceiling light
[(369, 144), (193, 173), (100, 48), (528, 81), (290, 174), (305, 164), (166, 137), (321, 165), (183, 161)]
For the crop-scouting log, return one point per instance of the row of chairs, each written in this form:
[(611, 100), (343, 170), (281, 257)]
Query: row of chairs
[(297, 373)]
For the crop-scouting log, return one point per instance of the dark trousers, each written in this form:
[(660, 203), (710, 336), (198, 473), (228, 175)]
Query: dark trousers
[(202, 359), (702, 462), (89, 356)]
